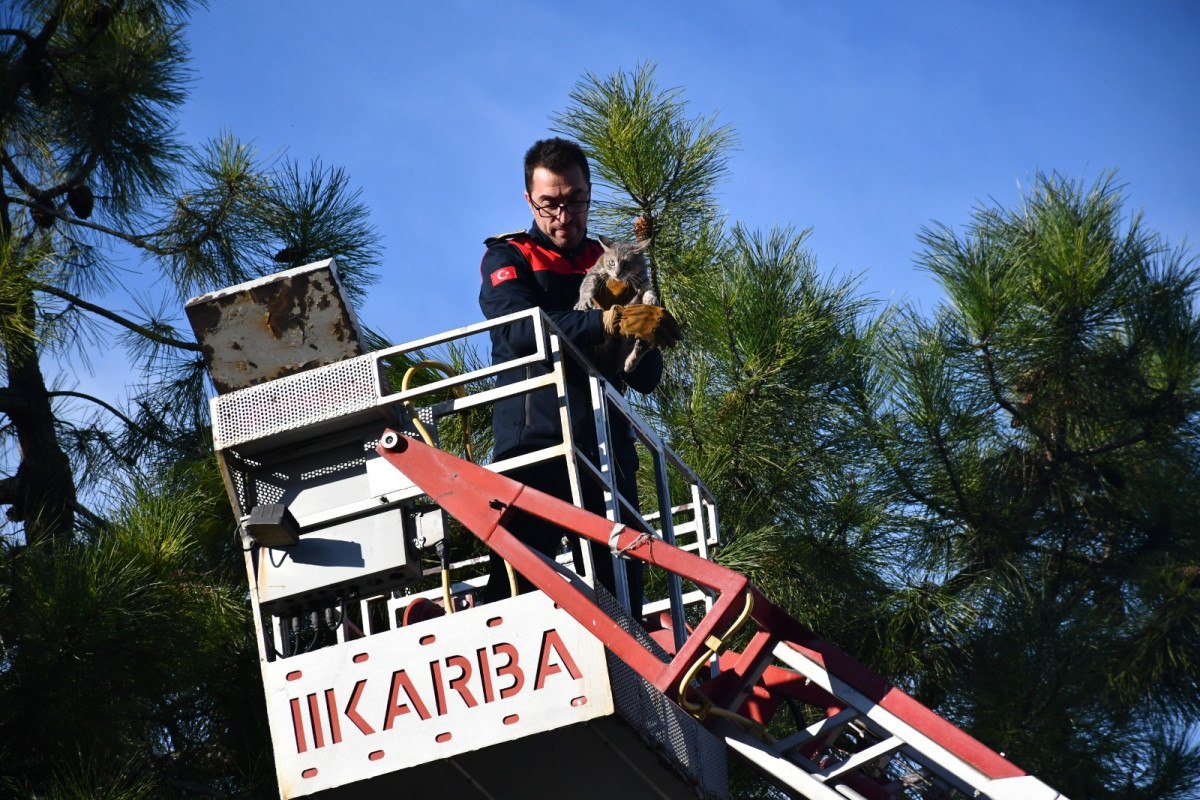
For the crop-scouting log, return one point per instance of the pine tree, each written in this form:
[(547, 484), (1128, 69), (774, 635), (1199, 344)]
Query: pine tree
[(757, 397), (92, 176), (1040, 435), (127, 657), (994, 508), (128, 666)]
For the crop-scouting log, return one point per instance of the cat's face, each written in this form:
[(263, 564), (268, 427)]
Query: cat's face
[(623, 260), (623, 265)]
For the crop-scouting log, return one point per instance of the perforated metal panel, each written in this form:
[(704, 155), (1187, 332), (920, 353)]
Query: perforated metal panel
[(297, 401), (251, 491), (693, 752)]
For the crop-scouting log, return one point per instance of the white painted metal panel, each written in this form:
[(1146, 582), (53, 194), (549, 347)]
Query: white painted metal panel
[(431, 691)]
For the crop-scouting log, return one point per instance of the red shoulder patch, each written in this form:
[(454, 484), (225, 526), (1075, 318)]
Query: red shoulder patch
[(503, 274)]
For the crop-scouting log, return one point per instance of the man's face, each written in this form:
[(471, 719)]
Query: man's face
[(548, 193)]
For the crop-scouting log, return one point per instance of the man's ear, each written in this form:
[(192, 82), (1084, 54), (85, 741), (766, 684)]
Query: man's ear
[(529, 202)]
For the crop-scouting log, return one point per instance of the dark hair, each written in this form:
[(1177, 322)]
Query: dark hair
[(558, 156)]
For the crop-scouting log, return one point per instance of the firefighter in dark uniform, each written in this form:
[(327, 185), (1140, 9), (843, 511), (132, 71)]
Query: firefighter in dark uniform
[(544, 267)]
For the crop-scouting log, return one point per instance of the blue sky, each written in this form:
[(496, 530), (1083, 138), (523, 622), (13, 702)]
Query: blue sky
[(863, 121)]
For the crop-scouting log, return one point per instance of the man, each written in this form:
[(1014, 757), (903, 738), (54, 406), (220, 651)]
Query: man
[(544, 267)]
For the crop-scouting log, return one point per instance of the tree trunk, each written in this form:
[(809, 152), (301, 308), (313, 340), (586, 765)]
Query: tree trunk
[(43, 493)]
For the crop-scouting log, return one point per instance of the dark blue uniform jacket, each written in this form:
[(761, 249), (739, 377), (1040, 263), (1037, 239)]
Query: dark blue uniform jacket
[(526, 270)]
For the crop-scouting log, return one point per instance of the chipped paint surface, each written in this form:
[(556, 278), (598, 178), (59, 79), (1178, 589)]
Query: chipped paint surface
[(274, 326)]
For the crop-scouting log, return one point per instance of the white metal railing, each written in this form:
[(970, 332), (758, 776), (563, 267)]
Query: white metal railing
[(358, 391)]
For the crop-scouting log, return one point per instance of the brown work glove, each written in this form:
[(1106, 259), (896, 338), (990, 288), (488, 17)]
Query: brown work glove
[(613, 292), (652, 324)]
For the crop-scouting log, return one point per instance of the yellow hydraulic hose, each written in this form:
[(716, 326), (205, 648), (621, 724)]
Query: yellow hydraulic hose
[(447, 370), (713, 646)]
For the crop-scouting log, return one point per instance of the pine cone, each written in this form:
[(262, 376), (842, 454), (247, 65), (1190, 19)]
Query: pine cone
[(42, 217), (643, 227), (289, 254), (81, 200)]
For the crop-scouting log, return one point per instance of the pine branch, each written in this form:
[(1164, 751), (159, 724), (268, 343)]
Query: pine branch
[(84, 511), (944, 454), (89, 164), (116, 412), (117, 318), (18, 33), (998, 395), (1059, 447), (133, 239), (18, 178), (34, 45), (1119, 444), (906, 480)]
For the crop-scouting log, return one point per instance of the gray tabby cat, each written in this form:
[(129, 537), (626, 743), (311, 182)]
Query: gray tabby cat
[(620, 276)]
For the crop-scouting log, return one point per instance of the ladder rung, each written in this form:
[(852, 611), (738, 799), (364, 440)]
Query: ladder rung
[(828, 725), (886, 747), (787, 773)]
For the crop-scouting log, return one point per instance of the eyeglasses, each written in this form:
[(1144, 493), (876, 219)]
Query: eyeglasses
[(552, 210)]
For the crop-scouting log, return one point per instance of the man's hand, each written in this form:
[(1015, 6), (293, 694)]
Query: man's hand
[(652, 324), (613, 292)]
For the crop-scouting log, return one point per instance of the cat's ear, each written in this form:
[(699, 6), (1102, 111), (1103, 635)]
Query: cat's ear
[(641, 246), (604, 241)]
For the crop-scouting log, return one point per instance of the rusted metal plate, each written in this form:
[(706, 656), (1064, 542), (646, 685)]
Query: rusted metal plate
[(274, 326)]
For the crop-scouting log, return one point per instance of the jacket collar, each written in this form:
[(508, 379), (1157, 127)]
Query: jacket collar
[(536, 234)]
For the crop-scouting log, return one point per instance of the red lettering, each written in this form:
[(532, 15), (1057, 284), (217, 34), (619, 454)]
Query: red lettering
[(485, 674), (400, 682), (459, 684), (335, 725), (551, 641), (439, 697), (298, 726), (500, 676), (314, 719), (352, 709), (510, 668)]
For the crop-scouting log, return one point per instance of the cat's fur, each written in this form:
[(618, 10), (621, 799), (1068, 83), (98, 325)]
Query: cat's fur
[(620, 276)]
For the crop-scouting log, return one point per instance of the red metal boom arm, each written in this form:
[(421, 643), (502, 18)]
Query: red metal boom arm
[(483, 501)]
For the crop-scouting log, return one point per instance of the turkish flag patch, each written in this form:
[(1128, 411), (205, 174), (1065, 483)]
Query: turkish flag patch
[(503, 274)]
